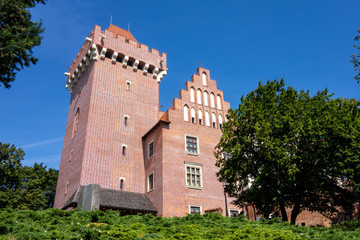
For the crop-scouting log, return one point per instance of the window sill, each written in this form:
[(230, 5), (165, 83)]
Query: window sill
[(149, 191), (194, 188), (190, 153)]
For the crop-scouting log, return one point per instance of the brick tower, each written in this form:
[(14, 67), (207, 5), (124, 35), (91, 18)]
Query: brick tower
[(114, 87)]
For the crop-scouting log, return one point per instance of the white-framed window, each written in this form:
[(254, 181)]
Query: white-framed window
[(207, 119), (195, 209), (212, 100), (121, 183), (204, 78), (191, 144), (186, 113), (218, 101), (150, 182), (200, 117), (151, 149), (213, 119), (193, 115), (123, 149), (198, 96), (192, 94), (126, 120), (234, 212), (193, 175), (128, 83), (206, 98), (220, 121)]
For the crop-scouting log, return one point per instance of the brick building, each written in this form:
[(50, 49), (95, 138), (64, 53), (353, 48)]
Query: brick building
[(121, 152), (119, 148)]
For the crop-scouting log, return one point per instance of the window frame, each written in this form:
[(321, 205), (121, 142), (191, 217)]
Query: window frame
[(195, 206), (126, 120), (123, 152), (197, 145), (148, 181), (128, 85), (237, 210), (193, 165), (121, 186), (150, 156)]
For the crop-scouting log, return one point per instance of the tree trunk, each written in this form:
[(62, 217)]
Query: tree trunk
[(295, 212), (284, 216)]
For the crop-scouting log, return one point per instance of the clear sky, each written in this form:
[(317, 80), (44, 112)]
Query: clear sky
[(309, 43)]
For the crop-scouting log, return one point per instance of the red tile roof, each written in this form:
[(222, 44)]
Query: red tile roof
[(119, 31)]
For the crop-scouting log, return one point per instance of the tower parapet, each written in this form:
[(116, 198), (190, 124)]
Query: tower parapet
[(128, 52)]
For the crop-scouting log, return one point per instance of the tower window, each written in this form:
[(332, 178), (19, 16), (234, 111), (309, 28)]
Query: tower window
[(122, 180), (71, 155), (204, 78), (186, 113), (128, 85), (212, 100), (124, 150), (126, 119), (200, 116), (150, 181), (76, 122), (192, 94), (198, 96), (151, 149), (220, 121), (193, 176), (213, 118)]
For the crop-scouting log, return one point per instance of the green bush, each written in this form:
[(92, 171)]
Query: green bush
[(76, 224)]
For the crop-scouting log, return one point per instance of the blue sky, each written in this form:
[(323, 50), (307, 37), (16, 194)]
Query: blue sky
[(309, 43)]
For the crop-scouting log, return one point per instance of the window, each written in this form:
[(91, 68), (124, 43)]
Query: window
[(66, 187), (218, 101), (206, 98), (198, 96), (192, 115), (192, 94), (191, 144), (71, 155), (186, 113), (195, 210), (150, 181), (126, 118), (200, 116), (76, 122), (151, 149), (207, 119), (213, 118), (128, 85), (220, 121), (122, 180), (124, 149), (204, 78), (234, 213), (212, 100), (193, 176)]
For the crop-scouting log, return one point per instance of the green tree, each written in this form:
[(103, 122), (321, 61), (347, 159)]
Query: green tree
[(291, 150), (23, 187), (355, 58), (18, 36)]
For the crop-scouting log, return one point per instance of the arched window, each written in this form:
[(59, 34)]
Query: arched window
[(207, 119), (198, 95), (192, 95), (218, 101), (193, 115), (206, 98), (213, 119), (212, 100), (76, 122), (200, 117), (204, 78), (220, 121), (186, 113)]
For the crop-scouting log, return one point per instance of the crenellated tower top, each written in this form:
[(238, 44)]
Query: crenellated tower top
[(122, 48)]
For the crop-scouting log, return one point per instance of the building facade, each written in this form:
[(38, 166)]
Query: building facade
[(118, 143)]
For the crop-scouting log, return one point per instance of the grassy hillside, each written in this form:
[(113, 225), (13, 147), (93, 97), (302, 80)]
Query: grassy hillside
[(58, 224)]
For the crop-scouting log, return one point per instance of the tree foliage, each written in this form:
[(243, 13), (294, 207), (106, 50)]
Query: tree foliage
[(18, 36), (23, 187), (355, 58), (291, 150)]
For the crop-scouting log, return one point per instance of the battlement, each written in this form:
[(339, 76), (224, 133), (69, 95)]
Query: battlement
[(121, 49)]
